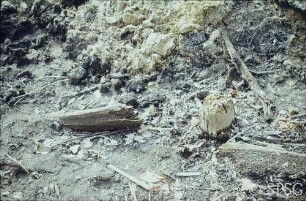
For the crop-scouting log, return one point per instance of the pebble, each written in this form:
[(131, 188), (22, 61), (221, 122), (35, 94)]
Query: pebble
[(116, 84), (154, 99), (74, 149), (17, 196), (129, 99), (282, 112), (202, 94), (136, 86), (77, 75), (6, 193), (9, 94), (293, 110), (56, 125), (26, 74), (105, 88)]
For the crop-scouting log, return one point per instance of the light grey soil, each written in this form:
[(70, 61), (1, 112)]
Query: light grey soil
[(156, 56)]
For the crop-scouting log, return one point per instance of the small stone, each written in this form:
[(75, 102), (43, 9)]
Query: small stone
[(116, 84), (154, 99), (17, 196), (157, 43), (105, 88), (77, 75), (95, 66), (117, 178), (293, 110), (282, 112), (40, 41), (129, 18), (26, 74), (23, 61), (56, 125), (136, 86), (6, 193), (129, 99), (74, 149), (185, 25), (9, 94)]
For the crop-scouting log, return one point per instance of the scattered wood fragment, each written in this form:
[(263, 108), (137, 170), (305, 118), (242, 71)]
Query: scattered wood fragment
[(18, 163), (188, 174), (57, 77), (112, 118), (247, 75), (19, 98), (249, 158), (130, 177), (133, 188), (298, 115), (262, 72), (242, 132), (85, 91)]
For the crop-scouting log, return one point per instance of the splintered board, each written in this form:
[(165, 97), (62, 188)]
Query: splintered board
[(254, 158), (101, 119)]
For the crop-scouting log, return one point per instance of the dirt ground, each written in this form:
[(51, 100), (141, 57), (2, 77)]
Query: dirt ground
[(162, 58)]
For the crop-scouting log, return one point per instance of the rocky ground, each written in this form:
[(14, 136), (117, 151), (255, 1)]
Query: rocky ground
[(163, 58)]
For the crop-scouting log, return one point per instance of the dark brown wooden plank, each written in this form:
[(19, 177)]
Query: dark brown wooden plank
[(101, 119)]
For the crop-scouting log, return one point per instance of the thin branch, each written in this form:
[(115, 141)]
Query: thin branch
[(143, 184), (246, 74), (18, 163)]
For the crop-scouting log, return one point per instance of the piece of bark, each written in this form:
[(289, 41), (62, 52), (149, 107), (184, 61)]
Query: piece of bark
[(249, 158), (114, 118)]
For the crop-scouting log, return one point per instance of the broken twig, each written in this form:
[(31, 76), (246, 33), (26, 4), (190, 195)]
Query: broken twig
[(188, 174), (262, 72), (18, 163), (87, 90), (246, 74), (130, 177), (298, 115), (133, 188), (240, 133)]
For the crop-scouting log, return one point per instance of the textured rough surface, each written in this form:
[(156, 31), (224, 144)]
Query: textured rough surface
[(218, 114), (157, 43), (162, 58)]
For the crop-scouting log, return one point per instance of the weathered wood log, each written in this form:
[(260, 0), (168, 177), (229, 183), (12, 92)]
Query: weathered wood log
[(114, 118), (249, 158)]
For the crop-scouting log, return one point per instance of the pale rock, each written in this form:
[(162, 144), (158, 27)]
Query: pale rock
[(132, 18), (293, 110), (158, 43), (6, 193), (112, 20), (185, 25), (17, 196), (216, 114), (247, 185), (74, 149), (190, 16)]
